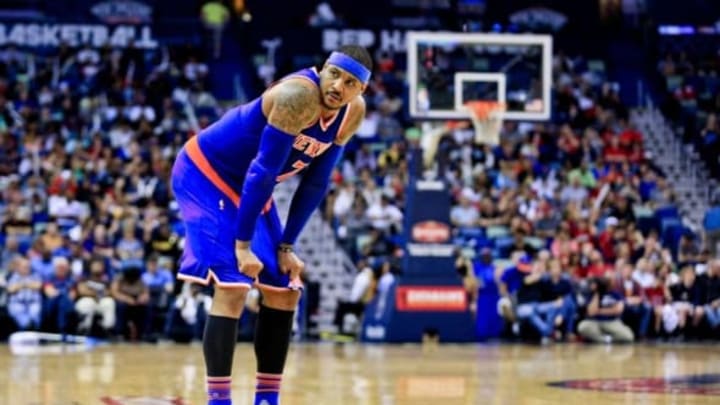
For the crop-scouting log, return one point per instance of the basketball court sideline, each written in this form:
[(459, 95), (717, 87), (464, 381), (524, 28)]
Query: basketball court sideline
[(373, 375)]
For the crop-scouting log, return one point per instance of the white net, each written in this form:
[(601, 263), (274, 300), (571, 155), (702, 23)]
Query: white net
[(487, 118)]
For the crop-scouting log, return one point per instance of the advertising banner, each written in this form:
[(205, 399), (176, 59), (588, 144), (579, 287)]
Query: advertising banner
[(35, 35), (428, 235), (431, 298), (119, 23)]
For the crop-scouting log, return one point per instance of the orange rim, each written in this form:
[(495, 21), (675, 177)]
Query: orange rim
[(482, 109)]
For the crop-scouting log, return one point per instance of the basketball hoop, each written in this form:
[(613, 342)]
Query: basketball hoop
[(487, 118)]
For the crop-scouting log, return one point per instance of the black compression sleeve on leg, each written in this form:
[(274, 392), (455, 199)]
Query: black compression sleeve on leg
[(272, 339), (219, 345)]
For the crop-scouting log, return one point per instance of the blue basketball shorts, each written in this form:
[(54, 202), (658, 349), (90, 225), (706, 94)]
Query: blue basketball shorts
[(209, 210)]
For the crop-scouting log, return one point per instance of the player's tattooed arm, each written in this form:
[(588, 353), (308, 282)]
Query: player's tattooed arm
[(357, 114), (295, 106)]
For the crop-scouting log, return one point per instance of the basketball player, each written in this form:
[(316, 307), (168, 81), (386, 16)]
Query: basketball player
[(223, 180)]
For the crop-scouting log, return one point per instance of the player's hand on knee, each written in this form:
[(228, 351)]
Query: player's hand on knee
[(289, 263), (249, 264)]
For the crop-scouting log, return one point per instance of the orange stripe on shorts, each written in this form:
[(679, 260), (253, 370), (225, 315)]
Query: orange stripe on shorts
[(196, 155)]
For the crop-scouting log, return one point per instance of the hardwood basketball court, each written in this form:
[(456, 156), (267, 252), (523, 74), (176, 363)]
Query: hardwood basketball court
[(374, 375)]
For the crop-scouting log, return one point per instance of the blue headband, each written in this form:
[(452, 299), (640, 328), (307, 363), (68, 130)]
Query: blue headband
[(350, 65)]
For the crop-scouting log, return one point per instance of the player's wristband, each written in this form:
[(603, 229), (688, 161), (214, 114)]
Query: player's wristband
[(285, 249)]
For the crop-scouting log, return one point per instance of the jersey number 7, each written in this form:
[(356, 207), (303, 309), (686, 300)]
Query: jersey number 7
[(297, 166)]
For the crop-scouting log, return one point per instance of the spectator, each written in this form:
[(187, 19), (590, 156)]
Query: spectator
[(522, 291), (163, 242), (711, 226), (484, 268), (94, 299), (369, 190), (385, 287), (637, 308), (547, 220), (609, 237), (344, 200), (385, 216), (710, 283), (509, 281), (490, 214), (129, 246), (657, 294), (18, 223), (685, 298), (558, 292), (603, 323), (466, 270), (352, 228), (59, 292), (688, 251), (390, 158), (378, 245), (24, 296), (583, 176), (644, 274), (543, 317), (78, 258), (132, 298), (159, 281), (51, 238), (8, 252), (596, 266), (521, 243), (186, 317), (99, 242), (464, 214), (42, 265), (349, 312), (574, 192), (161, 284), (562, 246), (365, 159)]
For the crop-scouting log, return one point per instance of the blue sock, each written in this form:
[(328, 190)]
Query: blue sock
[(267, 390), (218, 389)]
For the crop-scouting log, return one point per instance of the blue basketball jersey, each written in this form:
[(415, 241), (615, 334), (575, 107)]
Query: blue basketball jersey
[(231, 143)]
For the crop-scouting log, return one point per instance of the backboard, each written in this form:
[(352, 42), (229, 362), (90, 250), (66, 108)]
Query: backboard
[(446, 70)]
